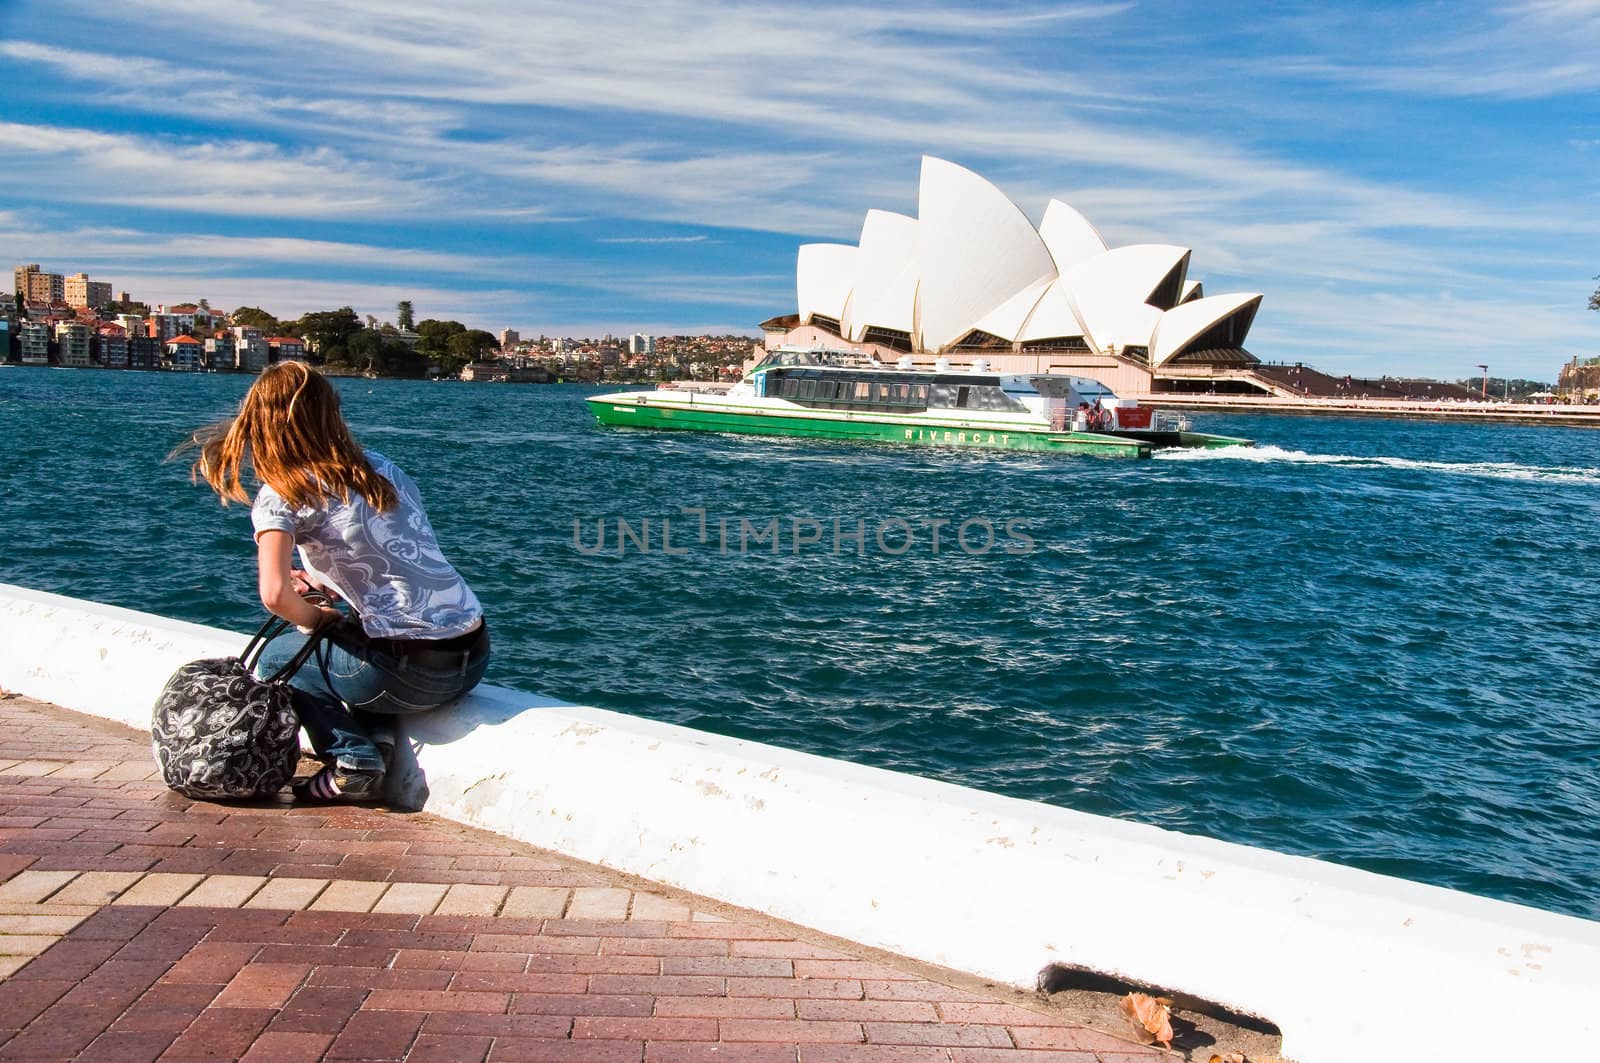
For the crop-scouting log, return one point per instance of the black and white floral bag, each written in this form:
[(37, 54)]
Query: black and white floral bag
[(221, 733)]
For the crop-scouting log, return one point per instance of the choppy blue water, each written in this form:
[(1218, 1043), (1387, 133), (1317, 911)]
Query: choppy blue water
[(1367, 641)]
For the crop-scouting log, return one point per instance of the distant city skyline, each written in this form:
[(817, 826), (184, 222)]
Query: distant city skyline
[(1414, 188)]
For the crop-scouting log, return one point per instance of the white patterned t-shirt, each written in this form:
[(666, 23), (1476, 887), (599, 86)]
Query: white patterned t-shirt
[(387, 565)]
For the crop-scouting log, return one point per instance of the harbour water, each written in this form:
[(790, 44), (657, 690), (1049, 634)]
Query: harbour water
[(1367, 641)]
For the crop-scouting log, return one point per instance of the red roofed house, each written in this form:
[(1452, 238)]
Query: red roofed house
[(287, 348), (183, 352)]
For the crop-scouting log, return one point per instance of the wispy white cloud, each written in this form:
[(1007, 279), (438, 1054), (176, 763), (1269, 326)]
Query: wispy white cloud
[(701, 238), (217, 176), (113, 247), (106, 68), (1374, 331), (1513, 51)]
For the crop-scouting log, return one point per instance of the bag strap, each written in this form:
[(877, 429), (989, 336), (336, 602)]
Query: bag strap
[(276, 626), (313, 642), (268, 631)]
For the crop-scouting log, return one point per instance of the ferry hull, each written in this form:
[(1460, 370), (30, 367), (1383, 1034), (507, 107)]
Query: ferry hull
[(707, 418), (1201, 440)]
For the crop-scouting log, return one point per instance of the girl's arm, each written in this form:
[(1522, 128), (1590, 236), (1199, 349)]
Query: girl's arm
[(274, 562)]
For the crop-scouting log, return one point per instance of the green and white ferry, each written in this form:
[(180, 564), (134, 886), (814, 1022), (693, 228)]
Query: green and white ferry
[(841, 395)]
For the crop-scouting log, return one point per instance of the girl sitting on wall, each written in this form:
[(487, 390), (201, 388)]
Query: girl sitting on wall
[(417, 639)]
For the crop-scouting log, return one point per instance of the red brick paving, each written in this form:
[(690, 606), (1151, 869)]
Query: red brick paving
[(177, 982)]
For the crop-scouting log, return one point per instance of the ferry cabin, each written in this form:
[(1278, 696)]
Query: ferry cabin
[(873, 390)]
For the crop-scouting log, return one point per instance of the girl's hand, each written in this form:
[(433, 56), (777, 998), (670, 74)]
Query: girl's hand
[(303, 585), (276, 576)]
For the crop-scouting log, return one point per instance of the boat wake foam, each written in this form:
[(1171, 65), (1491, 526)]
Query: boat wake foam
[(1495, 470)]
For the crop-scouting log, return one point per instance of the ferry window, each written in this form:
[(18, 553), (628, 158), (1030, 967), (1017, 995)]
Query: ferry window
[(826, 389), (961, 397), (863, 391), (899, 394), (940, 395), (919, 395), (880, 392), (983, 398), (1009, 402), (808, 389), (791, 387)]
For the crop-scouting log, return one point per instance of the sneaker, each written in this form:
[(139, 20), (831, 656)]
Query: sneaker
[(339, 786)]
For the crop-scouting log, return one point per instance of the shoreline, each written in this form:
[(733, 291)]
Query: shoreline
[(1561, 415)]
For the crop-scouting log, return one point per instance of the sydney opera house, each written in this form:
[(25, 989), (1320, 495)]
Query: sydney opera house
[(970, 278)]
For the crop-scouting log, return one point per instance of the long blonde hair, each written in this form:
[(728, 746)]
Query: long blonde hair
[(290, 427)]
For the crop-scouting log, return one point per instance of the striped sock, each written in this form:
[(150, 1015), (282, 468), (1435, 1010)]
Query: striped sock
[(322, 785)]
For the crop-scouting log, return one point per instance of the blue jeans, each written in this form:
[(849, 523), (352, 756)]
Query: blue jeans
[(375, 684)]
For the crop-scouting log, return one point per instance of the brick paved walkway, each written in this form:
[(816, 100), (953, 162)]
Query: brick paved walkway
[(138, 925)]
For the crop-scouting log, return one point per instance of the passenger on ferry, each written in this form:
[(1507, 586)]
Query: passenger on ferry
[(1099, 418)]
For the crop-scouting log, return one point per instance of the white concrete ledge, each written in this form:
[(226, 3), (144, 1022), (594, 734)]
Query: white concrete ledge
[(1351, 965)]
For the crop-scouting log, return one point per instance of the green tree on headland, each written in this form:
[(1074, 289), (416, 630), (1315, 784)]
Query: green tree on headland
[(255, 317), (328, 333), (1594, 300), (472, 344), (372, 351), (452, 344), (436, 336), (403, 318)]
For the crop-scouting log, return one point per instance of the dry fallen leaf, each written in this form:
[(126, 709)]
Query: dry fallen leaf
[(1149, 1017), (1231, 1057)]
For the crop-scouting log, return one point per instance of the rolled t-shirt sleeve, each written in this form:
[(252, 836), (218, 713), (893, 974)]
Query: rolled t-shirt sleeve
[(272, 513)]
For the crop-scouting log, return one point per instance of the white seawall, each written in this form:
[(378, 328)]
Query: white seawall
[(1351, 965)]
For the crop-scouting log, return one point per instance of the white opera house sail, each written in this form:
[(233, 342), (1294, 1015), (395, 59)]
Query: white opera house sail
[(971, 278)]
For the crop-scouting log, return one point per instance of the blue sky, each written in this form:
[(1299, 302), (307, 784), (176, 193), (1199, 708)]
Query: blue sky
[(1414, 188)]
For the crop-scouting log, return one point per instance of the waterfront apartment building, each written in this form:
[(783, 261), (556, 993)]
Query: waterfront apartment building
[(5, 338), (133, 325), (509, 338), (35, 343), (80, 292), (221, 351), (253, 354), (144, 352), (111, 347), (640, 344), (72, 344)]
